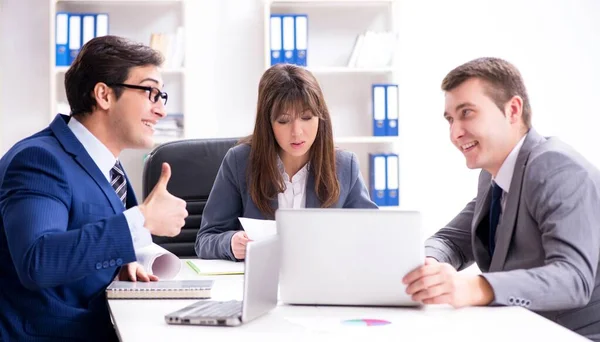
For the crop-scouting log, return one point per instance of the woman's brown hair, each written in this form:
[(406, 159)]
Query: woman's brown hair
[(291, 89)]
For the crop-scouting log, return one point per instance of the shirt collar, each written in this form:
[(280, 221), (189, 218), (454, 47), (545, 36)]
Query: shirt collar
[(299, 176), (100, 154), (504, 176)]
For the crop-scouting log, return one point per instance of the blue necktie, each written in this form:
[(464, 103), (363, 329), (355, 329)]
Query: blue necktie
[(495, 211)]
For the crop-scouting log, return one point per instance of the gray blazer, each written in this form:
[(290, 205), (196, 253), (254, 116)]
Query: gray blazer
[(547, 242), (230, 199)]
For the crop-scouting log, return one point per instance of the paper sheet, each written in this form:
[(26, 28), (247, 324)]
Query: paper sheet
[(258, 229), (158, 261)]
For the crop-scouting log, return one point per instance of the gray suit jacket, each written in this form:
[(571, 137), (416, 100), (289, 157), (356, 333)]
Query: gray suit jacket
[(547, 242), (230, 199)]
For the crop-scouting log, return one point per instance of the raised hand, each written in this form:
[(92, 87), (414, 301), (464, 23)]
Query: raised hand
[(164, 213)]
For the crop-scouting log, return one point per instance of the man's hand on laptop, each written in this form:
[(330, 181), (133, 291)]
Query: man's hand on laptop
[(239, 241), (440, 283)]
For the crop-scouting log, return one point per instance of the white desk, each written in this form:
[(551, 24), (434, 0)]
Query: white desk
[(143, 320)]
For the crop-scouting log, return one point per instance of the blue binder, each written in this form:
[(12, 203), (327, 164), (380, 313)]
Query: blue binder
[(276, 32), (392, 180), (379, 112), (74, 36), (301, 31), (391, 109), (61, 37), (378, 178), (101, 24), (289, 38), (88, 27)]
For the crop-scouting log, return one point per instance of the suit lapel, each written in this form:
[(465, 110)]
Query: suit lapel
[(131, 200), (509, 216), (72, 146)]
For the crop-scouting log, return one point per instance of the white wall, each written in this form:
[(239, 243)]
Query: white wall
[(24, 69), (554, 43)]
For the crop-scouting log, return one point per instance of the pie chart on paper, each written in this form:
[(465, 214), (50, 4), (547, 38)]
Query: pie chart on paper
[(365, 322)]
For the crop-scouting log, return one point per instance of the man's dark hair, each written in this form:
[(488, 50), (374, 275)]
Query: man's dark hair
[(106, 59)]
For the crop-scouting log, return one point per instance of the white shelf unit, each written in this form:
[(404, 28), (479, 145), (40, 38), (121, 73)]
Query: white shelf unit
[(160, 16), (333, 27)]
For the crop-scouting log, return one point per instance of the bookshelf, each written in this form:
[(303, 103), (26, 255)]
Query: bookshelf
[(333, 30)]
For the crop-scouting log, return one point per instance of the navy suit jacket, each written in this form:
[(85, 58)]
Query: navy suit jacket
[(63, 237), (230, 199)]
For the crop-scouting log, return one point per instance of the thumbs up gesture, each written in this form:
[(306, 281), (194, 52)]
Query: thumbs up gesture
[(164, 213)]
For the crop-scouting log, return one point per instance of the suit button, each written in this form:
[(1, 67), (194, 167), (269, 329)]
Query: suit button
[(518, 301), (105, 264), (98, 265), (527, 302), (119, 261), (511, 300), (112, 262)]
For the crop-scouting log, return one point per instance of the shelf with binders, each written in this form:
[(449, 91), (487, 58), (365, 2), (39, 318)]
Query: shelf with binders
[(121, 19), (161, 27), (330, 35), (350, 102)]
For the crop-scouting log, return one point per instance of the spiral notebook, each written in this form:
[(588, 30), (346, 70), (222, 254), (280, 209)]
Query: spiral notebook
[(162, 289)]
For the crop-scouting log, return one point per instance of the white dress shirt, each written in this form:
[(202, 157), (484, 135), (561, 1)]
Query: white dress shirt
[(505, 173), (105, 161), (294, 196)]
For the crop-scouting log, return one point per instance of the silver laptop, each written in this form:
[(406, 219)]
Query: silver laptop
[(348, 256), (261, 278)]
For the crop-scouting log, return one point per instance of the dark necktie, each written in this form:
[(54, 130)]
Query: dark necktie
[(495, 211), (117, 181)]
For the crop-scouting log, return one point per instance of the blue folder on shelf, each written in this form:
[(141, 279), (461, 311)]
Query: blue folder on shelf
[(289, 39), (392, 180), (276, 41), (101, 25), (378, 178), (391, 109), (301, 30), (74, 36), (61, 36), (88, 27), (379, 105)]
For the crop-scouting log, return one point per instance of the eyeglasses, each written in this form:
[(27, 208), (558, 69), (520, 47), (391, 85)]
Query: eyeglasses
[(153, 93)]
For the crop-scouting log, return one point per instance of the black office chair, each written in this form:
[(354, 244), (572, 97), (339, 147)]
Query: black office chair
[(194, 166)]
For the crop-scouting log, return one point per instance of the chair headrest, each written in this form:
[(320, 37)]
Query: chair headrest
[(194, 166)]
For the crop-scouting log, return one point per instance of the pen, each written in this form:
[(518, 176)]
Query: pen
[(193, 267)]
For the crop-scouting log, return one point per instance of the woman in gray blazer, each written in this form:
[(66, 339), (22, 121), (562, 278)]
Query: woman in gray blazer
[(288, 162)]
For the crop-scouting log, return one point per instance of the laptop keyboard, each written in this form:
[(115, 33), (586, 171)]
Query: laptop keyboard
[(217, 309)]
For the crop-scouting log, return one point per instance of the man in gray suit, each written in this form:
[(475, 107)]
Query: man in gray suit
[(533, 228)]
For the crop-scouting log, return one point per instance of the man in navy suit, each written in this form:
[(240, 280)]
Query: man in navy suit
[(69, 220)]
